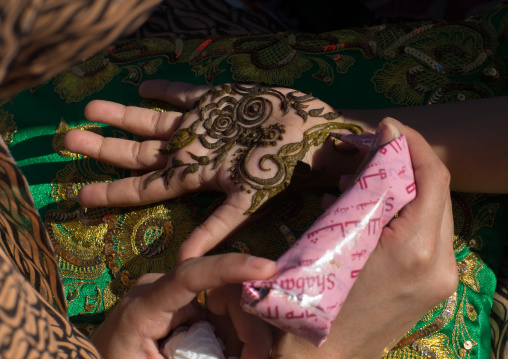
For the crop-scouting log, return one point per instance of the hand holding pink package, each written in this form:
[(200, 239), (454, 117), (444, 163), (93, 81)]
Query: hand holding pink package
[(316, 274)]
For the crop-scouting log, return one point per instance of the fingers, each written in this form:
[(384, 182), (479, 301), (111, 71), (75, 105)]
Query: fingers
[(181, 285), (224, 221), (254, 333), (180, 94), (141, 121), (424, 228), (431, 176), (115, 151), (129, 191), (167, 298)]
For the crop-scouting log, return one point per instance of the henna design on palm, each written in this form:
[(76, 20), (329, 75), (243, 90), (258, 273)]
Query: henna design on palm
[(228, 123)]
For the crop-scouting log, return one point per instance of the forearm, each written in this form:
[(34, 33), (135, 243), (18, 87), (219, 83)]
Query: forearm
[(469, 137)]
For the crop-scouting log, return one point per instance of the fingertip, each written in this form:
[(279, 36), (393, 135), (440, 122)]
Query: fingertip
[(392, 120), (187, 250), (103, 111), (387, 131), (144, 85), (89, 197), (150, 88), (70, 139), (91, 108), (83, 196), (261, 264)]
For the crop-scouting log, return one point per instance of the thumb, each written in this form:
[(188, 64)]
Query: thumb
[(386, 131)]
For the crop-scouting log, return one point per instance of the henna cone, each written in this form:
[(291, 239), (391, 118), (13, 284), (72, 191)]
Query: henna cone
[(316, 274)]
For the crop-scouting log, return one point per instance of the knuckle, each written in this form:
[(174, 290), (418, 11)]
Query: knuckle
[(156, 122), (146, 278), (207, 230), (441, 173), (421, 257), (183, 268)]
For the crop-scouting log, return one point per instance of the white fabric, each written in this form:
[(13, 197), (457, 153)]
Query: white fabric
[(196, 342)]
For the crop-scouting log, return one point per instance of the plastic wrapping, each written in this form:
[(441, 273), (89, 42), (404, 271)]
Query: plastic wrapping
[(316, 274)]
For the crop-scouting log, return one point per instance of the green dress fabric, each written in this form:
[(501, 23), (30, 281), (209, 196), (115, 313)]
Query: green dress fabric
[(102, 251)]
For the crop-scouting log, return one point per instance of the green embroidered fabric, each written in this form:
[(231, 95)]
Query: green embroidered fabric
[(102, 251)]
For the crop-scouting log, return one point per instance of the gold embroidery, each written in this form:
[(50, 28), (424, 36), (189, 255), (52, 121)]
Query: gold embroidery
[(75, 175), (159, 105), (112, 294), (82, 80), (342, 62), (470, 311), (432, 313), (435, 346), (462, 342), (437, 324), (459, 244), (426, 61), (468, 224), (147, 239), (457, 309), (72, 290), (475, 243), (93, 304), (78, 239), (468, 269), (135, 72), (8, 127), (270, 59), (411, 92), (485, 217), (63, 128), (325, 72)]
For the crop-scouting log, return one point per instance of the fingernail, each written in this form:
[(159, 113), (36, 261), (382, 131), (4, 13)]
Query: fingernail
[(260, 263), (385, 133)]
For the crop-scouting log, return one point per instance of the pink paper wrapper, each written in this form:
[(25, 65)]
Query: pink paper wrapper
[(316, 274)]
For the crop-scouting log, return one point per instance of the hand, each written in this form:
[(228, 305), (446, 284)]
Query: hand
[(244, 140), (157, 303), (412, 269)]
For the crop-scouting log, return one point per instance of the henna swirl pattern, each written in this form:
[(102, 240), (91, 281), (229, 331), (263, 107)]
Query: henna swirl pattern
[(233, 121)]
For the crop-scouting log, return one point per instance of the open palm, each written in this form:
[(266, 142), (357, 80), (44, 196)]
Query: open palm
[(243, 140)]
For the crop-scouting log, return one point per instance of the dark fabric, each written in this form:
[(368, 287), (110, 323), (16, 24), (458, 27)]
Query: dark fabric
[(39, 38)]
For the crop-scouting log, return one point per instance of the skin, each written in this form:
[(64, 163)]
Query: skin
[(412, 269), (469, 137), (159, 158), (473, 160), (158, 303)]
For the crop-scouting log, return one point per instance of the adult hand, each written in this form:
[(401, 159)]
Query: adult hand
[(412, 269), (157, 303), (244, 140)]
